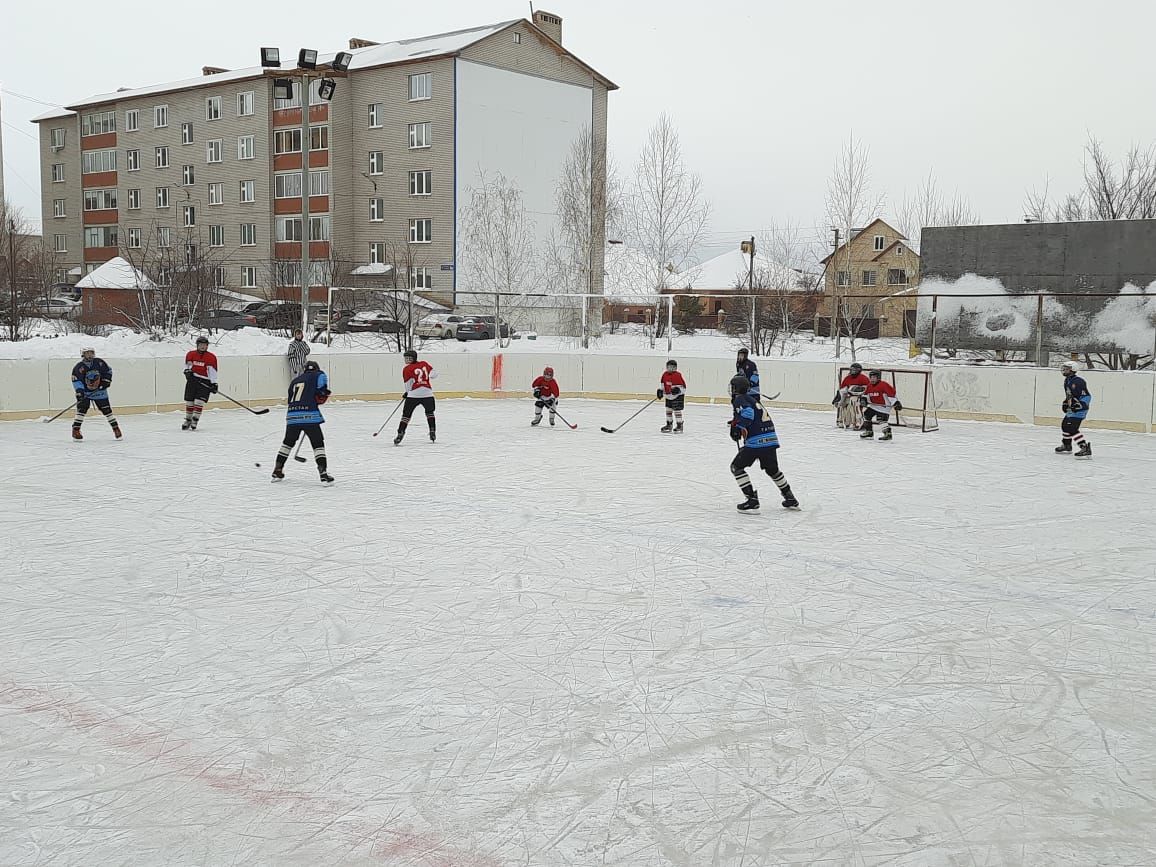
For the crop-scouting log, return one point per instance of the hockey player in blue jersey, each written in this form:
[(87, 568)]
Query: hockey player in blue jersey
[(91, 378), (753, 429), (747, 369), (1077, 402), (306, 394)]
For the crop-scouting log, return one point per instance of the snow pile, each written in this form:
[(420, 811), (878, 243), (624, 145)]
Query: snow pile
[(1128, 321), (1001, 318)]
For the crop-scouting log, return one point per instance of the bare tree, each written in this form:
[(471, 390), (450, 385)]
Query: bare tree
[(929, 206), (667, 209), (785, 289), (26, 271), (1111, 190)]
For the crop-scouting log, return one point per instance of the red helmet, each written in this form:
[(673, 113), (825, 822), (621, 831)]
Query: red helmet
[(549, 371)]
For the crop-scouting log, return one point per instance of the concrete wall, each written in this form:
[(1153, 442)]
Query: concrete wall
[(1122, 400)]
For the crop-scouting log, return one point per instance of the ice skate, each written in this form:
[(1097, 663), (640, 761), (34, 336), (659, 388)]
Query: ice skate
[(789, 501), (325, 477), (551, 419), (1064, 447), (397, 439), (278, 475), (1085, 450), (666, 428), (751, 504), (433, 437), (678, 428), (76, 434), (537, 421), (886, 435), (187, 424), (867, 435), (116, 432)]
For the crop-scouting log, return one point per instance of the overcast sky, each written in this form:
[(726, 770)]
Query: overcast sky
[(995, 96)]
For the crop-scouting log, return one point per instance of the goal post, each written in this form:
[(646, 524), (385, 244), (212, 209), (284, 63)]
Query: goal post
[(915, 391)]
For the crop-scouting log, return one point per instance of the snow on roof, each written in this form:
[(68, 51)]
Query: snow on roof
[(375, 269), (52, 115), (363, 58), (732, 269), (116, 273)]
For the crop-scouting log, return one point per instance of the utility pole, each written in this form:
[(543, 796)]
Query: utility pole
[(748, 247), (12, 275), (305, 233), (835, 297)]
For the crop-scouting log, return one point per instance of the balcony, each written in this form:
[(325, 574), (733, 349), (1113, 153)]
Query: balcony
[(106, 217)]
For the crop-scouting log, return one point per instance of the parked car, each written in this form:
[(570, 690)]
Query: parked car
[(374, 320), (253, 305), (224, 320), (57, 308), (480, 328), (278, 314), (442, 326), (65, 290), (321, 319)]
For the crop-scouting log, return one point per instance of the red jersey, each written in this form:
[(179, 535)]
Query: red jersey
[(881, 395), (852, 379), (546, 387), (202, 364), (417, 378), (673, 385)]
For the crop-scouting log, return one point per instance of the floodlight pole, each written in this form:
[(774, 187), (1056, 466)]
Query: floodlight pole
[(305, 233)]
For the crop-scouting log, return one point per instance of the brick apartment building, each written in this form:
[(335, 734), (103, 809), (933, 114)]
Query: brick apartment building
[(209, 170)]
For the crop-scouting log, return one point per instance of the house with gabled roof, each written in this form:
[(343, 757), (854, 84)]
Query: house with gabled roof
[(867, 282)]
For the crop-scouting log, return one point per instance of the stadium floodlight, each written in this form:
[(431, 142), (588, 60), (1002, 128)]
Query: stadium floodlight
[(282, 88), (307, 58), (271, 57), (341, 61), (326, 89)]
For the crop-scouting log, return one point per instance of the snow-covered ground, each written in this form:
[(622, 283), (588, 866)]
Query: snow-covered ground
[(549, 647)]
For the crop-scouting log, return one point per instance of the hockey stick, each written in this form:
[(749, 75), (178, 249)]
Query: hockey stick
[(297, 454), (571, 426), (391, 415), (629, 420), (62, 412), (261, 411)]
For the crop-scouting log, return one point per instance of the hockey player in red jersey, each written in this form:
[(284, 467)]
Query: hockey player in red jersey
[(417, 377), (672, 387), (546, 393), (200, 381), (881, 400), (849, 398)]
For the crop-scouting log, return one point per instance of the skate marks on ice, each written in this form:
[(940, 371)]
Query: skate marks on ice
[(532, 650)]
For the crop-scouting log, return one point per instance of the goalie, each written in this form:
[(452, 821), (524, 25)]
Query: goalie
[(849, 399)]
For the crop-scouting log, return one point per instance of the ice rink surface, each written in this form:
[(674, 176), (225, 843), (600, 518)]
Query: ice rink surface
[(535, 646)]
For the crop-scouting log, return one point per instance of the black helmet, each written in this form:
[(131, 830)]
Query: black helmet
[(743, 352), (856, 367), (410, 355), (876, 374), (740, 385), (312, 365), (201, 339), (672, 364)]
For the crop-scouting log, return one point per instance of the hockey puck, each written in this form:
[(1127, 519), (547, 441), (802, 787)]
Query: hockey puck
[(256, 465)]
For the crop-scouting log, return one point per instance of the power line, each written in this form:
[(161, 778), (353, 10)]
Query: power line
[(30, 98), (21, 132)]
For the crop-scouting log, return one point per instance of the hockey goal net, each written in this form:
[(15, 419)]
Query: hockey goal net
[(915, 391)]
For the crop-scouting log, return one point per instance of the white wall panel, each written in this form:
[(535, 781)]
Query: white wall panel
[(24, 385)]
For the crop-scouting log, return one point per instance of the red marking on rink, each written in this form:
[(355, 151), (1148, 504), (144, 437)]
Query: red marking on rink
[(496, 373), (178, 755)]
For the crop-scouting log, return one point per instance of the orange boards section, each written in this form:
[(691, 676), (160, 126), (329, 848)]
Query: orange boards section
[(496, 373)]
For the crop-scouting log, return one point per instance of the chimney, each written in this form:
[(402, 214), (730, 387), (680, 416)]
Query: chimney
[(357, 42), (212, 70), (549, 23)]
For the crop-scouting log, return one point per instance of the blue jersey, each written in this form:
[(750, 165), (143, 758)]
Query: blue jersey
[(1078, 398), (92, 378), (754, 421), (303, 393), (751, 371)]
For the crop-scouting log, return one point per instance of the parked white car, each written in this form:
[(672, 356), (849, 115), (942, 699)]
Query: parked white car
[(442, 326), (58, 308)]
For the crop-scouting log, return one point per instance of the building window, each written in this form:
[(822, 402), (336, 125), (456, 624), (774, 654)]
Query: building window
[(186, 133), (216, 236), (420, 278), (248, 234), (187, 176), (162, 197), (133, 239), (868, 278), (190, 254), (376, 210), (287, 185), (160, 116), (287, 141), (899, 250), (319, 183), (880, 242), (134, 200), (376, 162), (98, 123), (245, 147), (245, 103), (132, 120), (248, 191), (376, 252), (248, 277), (517, 38), (842, 278), (60, 243), (420, 183), (896, 276), (100, 200), (319, 228), (99, 161), (292, 102), (213, 108), (165, 275), (164, 237), (867, 311), (216, 194), (58, 208), (420, 86), (132, 160), (288, 229), (419, 135), (57, 138), (162, 158), (100, 236), (318, 138), (189, 215), (375, 115), (219, 276), (58, 173), (420, 231), (213, 151)]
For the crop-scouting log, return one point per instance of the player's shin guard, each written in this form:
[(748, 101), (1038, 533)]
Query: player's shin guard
[(322, 461), (784, 487), (431, 421)]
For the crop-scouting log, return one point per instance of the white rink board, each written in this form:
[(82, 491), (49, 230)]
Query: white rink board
[(537, 646)]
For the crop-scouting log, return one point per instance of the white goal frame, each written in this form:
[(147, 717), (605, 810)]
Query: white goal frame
[(915, 391)]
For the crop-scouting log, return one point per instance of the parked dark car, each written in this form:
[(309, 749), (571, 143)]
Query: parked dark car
[(480, 328), (278, 314), (374, 320), (224, 320)]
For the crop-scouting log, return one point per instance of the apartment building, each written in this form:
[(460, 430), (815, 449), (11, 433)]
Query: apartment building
[(868, 277), (207, 173)]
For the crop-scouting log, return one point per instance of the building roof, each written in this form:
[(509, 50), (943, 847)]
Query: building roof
[(52, 115), (116, 273), (368, 57), (892, 246), (862, 231), (728, 270)]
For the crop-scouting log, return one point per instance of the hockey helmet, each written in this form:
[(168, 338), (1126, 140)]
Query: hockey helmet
[(875, 374), (740, 385), (1069, 367), (672, 365), (856, 368), (87, 350), (312, 365), (202, 339), (549, 371), (743, 353), (410, 355)]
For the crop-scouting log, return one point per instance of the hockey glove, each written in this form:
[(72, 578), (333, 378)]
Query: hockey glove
[(537, 392), (550, 401), (835, 400), (189, 375), (213, 387), (897, 406), (1066, 406), (659, 393), (736, 433), (80, 397), (321, 397)]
